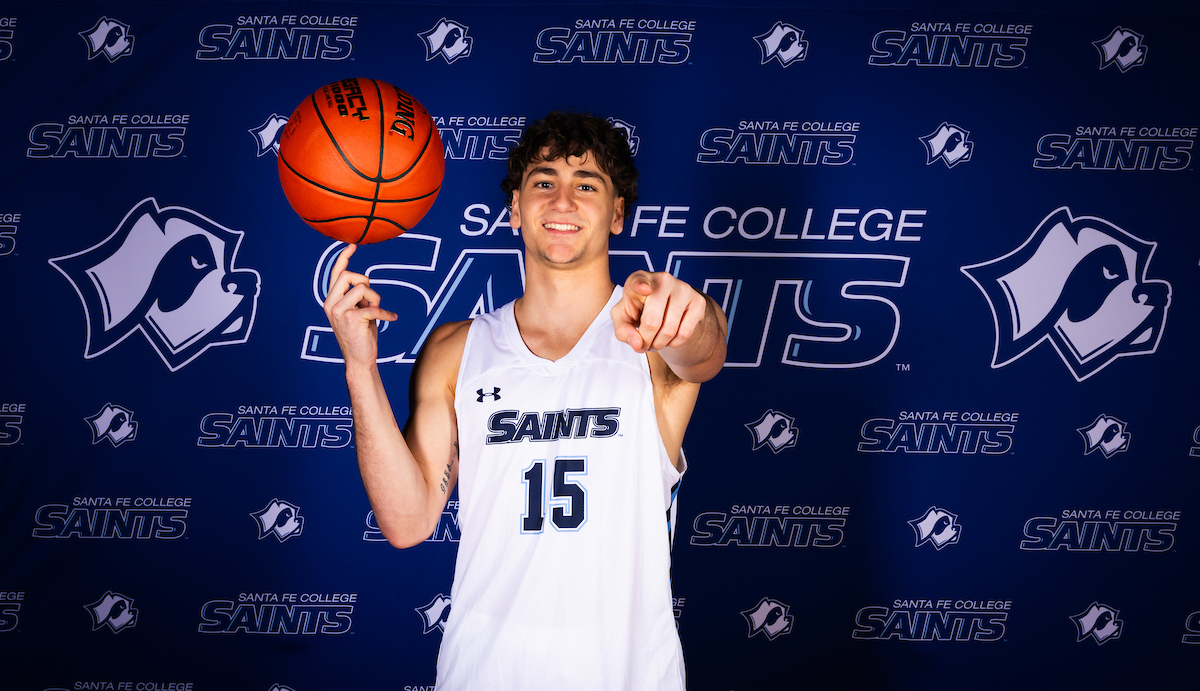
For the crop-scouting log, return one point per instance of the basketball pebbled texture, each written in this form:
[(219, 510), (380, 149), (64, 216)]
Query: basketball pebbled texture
[(360, 160)]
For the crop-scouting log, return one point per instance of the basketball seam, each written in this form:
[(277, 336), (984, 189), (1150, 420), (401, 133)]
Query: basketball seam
[(418, 157), (355, 197), (350, 218), (379, 158)]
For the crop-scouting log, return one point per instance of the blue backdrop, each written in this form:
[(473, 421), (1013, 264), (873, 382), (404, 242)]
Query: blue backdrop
[(956, 440)]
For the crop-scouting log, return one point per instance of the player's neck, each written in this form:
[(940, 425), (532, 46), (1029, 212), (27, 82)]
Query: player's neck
[(558, 307)]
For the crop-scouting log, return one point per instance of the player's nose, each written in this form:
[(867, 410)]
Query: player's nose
[(564, 198)]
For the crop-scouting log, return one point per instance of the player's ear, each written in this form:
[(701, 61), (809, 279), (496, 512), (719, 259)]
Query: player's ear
[(515, 212), (618, 222)]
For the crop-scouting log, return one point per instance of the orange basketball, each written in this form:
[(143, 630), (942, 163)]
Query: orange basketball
[(360, 160)]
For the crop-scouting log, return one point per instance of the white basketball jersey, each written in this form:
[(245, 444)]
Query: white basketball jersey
[(563, 572)]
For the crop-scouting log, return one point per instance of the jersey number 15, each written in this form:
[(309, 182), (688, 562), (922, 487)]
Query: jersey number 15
[(567, 498)]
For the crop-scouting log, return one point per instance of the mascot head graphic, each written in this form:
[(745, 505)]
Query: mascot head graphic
[(170, 274), (1081, 284)]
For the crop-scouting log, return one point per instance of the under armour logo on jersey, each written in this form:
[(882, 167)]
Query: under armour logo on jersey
[(948, 143), (448, 39), (495, 394), (1107, 434), (434, 614), (937, 526), (279, 518), (109, 38), (769, 617), (113, 610), (1123, 48), (774, 429), (783, 42), (1098, 621), (114, 423)]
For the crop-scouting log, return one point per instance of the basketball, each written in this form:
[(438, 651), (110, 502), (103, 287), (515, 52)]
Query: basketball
[(360, 161)]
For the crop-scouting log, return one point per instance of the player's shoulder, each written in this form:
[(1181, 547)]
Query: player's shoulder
[(449, 335), (442, 353)]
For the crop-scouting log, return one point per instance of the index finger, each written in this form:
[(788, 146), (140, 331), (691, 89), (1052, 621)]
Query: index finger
[(342, 262), (639, 285)]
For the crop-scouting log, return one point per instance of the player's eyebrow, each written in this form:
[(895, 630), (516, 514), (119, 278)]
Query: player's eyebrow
[(578, 173), (588, 174)]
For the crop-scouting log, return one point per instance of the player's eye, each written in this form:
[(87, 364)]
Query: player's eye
[(587, 188)]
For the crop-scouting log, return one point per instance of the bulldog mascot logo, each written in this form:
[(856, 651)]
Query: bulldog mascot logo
[(1081, 284), (170, 274)]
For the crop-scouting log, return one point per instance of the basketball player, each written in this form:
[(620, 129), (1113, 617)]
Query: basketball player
[(561, 417)]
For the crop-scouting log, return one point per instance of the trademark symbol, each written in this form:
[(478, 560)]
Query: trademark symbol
[(903, 367)]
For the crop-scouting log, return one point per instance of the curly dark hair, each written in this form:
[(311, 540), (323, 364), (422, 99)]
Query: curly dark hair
[(561, 134)]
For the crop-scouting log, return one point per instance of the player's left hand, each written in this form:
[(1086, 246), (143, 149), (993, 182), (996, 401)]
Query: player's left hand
[(657, 311)]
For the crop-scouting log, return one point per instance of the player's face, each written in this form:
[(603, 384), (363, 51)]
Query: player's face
[(566, 208)]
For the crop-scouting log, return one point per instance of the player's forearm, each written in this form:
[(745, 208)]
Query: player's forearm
[(395, 482), (702, 356)]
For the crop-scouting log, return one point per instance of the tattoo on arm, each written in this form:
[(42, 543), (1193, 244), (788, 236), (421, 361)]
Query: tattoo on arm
[(446, 475)]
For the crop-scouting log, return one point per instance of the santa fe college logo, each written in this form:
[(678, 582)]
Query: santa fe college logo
[(949, 144), (113, 610), (1123, 48), (936, 526), (434, 614), (1107, 434), (266, 135), (170, 274), (279, 518), (774, 429), (1080, 283), (612, 40), (110, 38), (770, 618), (279, 37), (627, 129), (1098, 622), (783, 42), (114, 423), (447, 39)]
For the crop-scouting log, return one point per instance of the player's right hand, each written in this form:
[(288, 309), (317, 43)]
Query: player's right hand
[(352, 308)]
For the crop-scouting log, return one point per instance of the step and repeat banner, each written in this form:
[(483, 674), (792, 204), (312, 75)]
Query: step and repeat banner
[(956, 440)]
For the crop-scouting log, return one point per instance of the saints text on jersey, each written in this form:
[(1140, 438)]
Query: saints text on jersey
[(508, 426)]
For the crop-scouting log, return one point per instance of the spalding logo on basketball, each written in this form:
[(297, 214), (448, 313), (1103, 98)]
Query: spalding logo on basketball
[(361, 161)]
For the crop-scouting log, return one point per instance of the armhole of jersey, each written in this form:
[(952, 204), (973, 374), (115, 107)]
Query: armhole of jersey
[(458, 380), (673, 507)]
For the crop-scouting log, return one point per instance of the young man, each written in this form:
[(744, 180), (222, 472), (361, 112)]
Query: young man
[(561, 417)]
